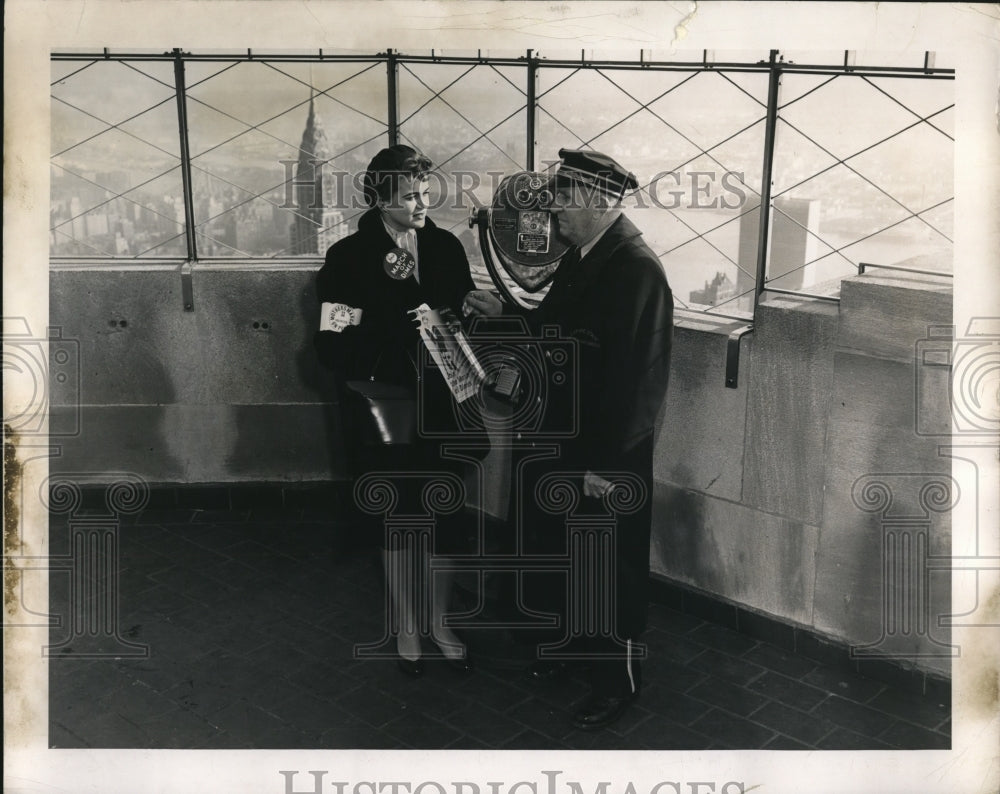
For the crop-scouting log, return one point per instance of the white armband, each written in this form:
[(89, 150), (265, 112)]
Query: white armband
[(337, 316)]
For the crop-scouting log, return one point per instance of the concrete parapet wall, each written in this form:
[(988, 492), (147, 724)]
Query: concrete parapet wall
[(761, 499), (694, 449), (200, 396), (787, 405), (834, 401)]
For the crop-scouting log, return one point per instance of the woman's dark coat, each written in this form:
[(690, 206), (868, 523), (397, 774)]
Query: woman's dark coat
[(387, 343)]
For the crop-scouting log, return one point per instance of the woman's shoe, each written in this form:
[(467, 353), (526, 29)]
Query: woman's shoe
[(411, 667), (463, 665)]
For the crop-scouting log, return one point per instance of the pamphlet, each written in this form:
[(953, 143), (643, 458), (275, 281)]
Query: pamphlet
[(448, 345)]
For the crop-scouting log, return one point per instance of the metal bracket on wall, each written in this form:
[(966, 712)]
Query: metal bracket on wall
[(187, 287), (733, 355)]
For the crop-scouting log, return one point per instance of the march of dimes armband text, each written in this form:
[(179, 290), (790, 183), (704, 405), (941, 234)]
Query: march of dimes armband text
[(337, 316)]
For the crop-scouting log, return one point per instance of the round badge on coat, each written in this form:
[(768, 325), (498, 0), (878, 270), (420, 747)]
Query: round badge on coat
[(399, 263)]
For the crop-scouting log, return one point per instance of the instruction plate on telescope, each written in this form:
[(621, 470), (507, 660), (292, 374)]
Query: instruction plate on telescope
[(532, 243)]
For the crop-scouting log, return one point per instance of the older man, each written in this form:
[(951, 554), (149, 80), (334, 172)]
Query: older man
[(610, 294)]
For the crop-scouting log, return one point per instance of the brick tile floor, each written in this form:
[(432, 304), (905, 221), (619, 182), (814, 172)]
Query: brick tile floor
[(250, 619)]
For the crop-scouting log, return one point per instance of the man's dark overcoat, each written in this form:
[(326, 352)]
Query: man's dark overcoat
[(616, 303)]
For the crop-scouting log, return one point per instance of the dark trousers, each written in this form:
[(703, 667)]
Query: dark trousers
[(597, 587)]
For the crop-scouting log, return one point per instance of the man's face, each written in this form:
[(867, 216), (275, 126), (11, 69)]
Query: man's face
[(576, 211), (408, 208)]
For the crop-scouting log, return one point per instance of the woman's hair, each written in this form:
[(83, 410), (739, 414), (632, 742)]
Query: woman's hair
[(388, 167)]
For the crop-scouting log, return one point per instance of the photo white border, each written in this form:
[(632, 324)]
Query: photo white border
[(968, 33)]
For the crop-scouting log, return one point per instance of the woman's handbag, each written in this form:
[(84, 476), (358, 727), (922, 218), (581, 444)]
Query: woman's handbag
[(384, 414)]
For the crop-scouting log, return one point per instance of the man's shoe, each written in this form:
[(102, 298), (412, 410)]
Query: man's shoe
[(600, 711), (543, 671)]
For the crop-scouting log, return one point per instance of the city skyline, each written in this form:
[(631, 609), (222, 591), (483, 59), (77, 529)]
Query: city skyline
[(117, 190)]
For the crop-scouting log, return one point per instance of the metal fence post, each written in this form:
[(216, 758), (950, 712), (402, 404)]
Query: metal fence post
[(531, 120), (765, 176), (182, 123), (189, 235), (392, 86)]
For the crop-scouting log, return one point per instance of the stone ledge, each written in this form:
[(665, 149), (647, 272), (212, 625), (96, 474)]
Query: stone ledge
[(887, 314)]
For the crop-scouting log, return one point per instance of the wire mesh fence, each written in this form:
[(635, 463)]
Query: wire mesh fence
[(251, 157)]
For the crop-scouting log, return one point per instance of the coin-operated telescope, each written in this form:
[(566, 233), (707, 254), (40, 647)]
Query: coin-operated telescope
[(517, 236), (521, 251)]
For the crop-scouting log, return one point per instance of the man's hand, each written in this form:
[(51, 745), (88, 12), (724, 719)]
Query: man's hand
[(481, 302), (596, 486)]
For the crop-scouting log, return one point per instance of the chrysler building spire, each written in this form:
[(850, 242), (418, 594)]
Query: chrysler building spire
[(317, 222)]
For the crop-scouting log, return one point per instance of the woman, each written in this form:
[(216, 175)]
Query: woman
[(396, 261)]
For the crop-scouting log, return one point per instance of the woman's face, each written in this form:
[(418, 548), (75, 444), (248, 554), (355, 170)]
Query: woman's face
[(408, 208)]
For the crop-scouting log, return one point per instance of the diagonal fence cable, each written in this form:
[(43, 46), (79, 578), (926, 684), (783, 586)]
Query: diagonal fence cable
[(205, 79), (545, 110), (664, 121), (854, 242), (482, 135), (724, 141), (843, 161), (124, 195), (325, 91), (711, 152), (148, 76), (701, 151), (261, 195), (435, 94), (740, 88), (111, 126), (257, 127), (485, 135), (911, 110), (553, 87), (73, 73), (812, 90), (113, 198), (704, 234), (711, 309), (99, 252), (510, 82)]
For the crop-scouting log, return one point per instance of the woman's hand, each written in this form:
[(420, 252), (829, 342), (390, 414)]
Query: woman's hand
[(481, 302), (594, 485)]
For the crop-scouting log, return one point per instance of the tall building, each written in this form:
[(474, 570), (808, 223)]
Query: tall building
[(317, 223), (719, 290), (794, 244)]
